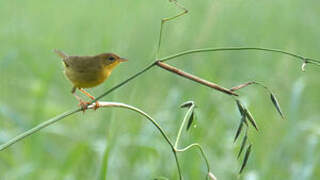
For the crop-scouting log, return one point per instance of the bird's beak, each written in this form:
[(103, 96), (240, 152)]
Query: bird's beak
[(123, 59)]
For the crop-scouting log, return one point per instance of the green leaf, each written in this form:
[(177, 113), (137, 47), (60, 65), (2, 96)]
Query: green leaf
[(276, 104), (246, 157)]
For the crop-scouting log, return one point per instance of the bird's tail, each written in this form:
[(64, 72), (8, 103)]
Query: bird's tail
[(60, 53)]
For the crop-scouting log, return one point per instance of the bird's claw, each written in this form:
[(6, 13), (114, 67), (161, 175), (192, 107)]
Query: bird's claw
[(83, 105)]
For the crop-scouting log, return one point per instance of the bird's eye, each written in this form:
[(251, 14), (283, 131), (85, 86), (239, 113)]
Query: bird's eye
[(111, 58)]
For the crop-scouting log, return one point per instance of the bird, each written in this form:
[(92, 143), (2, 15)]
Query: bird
[(88, 72)]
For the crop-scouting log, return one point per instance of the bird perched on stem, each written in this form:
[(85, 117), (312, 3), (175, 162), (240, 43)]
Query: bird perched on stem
[(88, 71)]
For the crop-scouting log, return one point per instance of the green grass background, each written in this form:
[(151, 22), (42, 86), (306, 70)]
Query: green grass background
[(118, 144)]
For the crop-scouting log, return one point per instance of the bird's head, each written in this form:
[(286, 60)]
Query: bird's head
[(110, 60)]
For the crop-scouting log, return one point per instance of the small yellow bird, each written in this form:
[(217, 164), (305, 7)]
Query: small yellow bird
[(88, 71)]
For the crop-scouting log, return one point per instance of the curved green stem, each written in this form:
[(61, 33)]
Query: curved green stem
[(122, 105), (91, 106), (309, 60), (158, 127), (177, 162), (201, 150), (183, 124)]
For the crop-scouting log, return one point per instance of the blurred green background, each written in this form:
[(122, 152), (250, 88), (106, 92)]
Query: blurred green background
[(118, 144)]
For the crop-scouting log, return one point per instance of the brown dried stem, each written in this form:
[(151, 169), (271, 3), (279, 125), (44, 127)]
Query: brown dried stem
[(194, 78)]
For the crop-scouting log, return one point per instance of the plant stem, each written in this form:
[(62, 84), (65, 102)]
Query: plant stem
[(201, 150), (305, 60), (124, 82), (122, 105), (238, 87), (194, 78), (37, 128), (92, 106), (114, 104), (164, 20), (177, 162), (183, 124), (309, 60)]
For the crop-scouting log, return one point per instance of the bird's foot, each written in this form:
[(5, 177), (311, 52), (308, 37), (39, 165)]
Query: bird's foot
[(83, 105)]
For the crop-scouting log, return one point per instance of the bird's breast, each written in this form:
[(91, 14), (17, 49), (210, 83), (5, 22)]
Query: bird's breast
[(87, 78)]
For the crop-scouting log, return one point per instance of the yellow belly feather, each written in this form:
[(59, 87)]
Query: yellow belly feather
[(87, 79)]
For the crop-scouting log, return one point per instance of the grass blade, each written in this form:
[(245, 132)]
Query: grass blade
[(251, 119), (246, 157), (243, 144), (276, 104)]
